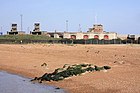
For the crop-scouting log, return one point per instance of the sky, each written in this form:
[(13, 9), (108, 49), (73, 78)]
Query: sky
[(120, 16)]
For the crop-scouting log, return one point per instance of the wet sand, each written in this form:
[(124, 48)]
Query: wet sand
[(124, 76), (10, 83)]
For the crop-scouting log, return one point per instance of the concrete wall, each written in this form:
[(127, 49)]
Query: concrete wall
[(21, 32), (124, 36), (16, 33)]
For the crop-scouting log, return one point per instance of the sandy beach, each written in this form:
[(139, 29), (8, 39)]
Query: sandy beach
[(123, 77)]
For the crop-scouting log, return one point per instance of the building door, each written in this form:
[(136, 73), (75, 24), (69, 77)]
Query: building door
[(73, 36), (96, 37), (106, 37)]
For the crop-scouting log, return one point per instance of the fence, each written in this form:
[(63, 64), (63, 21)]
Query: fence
[(69, 41)]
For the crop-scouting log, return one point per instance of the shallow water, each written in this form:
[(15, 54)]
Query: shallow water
[(10, 83)]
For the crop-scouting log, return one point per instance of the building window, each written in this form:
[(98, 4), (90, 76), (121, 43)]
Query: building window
[(85, 36)]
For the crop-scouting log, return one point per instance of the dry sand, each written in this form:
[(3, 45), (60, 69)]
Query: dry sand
[(124, 77)]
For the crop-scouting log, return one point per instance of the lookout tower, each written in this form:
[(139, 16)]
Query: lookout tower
[(36, 27), (14, 30), (97, 28), (36, 30)]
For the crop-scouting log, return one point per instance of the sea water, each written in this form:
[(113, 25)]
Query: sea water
[(10, 83)]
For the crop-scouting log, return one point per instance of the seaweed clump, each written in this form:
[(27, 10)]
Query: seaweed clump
[(69, 71)]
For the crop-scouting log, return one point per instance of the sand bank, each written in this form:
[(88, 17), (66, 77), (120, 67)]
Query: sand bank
[(124, 76)]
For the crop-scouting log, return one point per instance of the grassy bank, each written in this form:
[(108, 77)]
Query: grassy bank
[(26, 39)]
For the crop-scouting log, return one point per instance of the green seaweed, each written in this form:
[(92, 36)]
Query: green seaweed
[(69, 71)]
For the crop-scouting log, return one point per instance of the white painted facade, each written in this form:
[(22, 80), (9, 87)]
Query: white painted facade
[(91, 35)]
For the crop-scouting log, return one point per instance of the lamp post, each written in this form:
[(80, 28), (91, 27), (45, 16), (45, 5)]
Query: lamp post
[(80, 30), (1, 31), (28, 29)]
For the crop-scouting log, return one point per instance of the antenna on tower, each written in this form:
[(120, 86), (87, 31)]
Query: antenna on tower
[(21, 21), (67, 25), (95, 18), (80, 30)]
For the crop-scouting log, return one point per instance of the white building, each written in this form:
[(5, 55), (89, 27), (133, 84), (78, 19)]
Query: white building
[(95, 32)]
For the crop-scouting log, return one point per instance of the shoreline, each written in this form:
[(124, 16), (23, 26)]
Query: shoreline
[(14, 82), (26, 60)]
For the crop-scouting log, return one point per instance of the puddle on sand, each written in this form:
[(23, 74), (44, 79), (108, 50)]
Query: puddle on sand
[(10, 83)]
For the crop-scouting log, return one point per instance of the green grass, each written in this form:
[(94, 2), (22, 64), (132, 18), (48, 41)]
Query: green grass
[(27, 37)]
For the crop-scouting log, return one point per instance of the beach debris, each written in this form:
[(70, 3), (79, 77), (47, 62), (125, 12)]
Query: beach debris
[(22, 47), (123, 55), (69, 71), (44, 64), (97, 52), (119, 62)]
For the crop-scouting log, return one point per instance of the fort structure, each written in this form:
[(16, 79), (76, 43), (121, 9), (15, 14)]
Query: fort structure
[(14, 30), (95, 32)]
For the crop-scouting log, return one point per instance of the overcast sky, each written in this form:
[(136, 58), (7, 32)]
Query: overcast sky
[(121, 16)]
